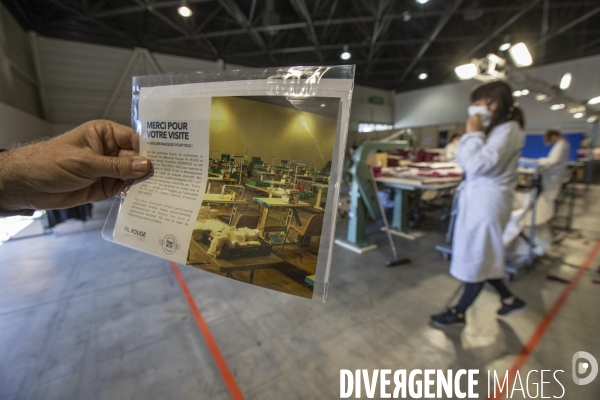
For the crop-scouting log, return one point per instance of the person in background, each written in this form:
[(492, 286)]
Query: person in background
[(489, 155), (451, 147), (555, 169)]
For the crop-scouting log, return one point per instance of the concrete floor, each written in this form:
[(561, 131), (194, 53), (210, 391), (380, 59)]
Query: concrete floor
[(82, 318)]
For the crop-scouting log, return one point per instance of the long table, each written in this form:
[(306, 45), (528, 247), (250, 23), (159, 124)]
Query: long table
[(402, 188), (198, 256), (269, 203), (215, 198)]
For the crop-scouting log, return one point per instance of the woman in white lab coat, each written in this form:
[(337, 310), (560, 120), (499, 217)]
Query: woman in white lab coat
[(489, 154)]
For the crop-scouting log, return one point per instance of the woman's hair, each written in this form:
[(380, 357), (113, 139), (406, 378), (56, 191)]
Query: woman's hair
[(500, 93), (552, 133), (454, 136)]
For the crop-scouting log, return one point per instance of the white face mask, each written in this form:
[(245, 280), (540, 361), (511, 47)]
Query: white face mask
[(483, 111)]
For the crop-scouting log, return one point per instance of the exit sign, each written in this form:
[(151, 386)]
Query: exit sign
[(376, 100)]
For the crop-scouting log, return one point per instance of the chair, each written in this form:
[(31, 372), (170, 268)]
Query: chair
[(313, 228), (247, 221)]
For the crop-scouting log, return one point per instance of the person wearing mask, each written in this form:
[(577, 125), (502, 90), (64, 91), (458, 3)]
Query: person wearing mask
[(489, 155), (92, 162), (452, 147)]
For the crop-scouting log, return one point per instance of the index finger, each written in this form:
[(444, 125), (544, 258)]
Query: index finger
[(125, 137)]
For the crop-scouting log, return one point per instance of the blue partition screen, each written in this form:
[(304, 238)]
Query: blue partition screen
[(535, 147)]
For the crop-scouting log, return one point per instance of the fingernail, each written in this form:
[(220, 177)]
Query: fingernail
[(139, 164)]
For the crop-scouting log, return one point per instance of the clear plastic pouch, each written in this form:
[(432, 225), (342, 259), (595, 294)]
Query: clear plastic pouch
[(246, 173)]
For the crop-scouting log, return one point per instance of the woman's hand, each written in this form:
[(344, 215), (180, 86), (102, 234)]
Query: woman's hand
[(474, 124), (90, 163)]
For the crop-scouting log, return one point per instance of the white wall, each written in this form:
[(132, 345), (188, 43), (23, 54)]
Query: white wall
[(448, 103), (18, 84), (19, 127), (363, 111)]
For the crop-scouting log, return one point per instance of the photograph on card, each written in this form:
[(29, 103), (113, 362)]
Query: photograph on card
[(262, 214)]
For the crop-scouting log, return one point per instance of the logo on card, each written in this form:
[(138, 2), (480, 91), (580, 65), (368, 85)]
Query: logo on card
[(141, 235), (169, 244)]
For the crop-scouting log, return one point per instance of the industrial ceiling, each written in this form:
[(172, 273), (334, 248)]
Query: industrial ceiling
[(391, 42)]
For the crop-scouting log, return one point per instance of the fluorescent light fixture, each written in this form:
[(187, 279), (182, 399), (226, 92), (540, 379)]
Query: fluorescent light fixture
[(541, 96), (466, 71), (423, 75), (579, 115), (517, 93), (595, 100), (184, 10), (565, 82), (422, 1), (346, 54), (592, 119), (323, 105), (520, 55), (555, 107), (504, 47), (524, 92), (577, 109)]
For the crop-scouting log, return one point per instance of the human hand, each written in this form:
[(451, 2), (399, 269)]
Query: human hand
[(474, 124), (90, 163)]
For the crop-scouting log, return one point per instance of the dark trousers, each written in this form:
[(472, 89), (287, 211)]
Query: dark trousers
[(472, 290)]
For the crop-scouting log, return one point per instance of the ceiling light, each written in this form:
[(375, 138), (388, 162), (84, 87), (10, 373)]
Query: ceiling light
[(579, 115), (504, 47), (577, 109), (466, 71), (517, 93), (565, 82), (423, 75), (346, 54), (555, 107), (406, 16), (595, 100), (184, 10), (592, 119), (524, 92), (541, 97), (421, 1), (520, 55), (323, 105)]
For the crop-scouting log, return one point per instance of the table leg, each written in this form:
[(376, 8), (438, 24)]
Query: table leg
[(208, 187), (233, 213), (319, 193), (399, 219), (288, 219), (263, 220), (251, 276)]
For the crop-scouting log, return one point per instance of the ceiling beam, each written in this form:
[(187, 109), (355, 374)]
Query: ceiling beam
[(79, 13), (569, 25), (379, 29), (180, 29), (450, 10), (524, 10), (336, 46), (302, 11), (234, 10)]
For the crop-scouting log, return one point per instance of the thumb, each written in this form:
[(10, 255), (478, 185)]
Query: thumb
[(120, 167)]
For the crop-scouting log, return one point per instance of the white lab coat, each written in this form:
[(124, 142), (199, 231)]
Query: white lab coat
[(554, 173), (484, 201), (451, 149)]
